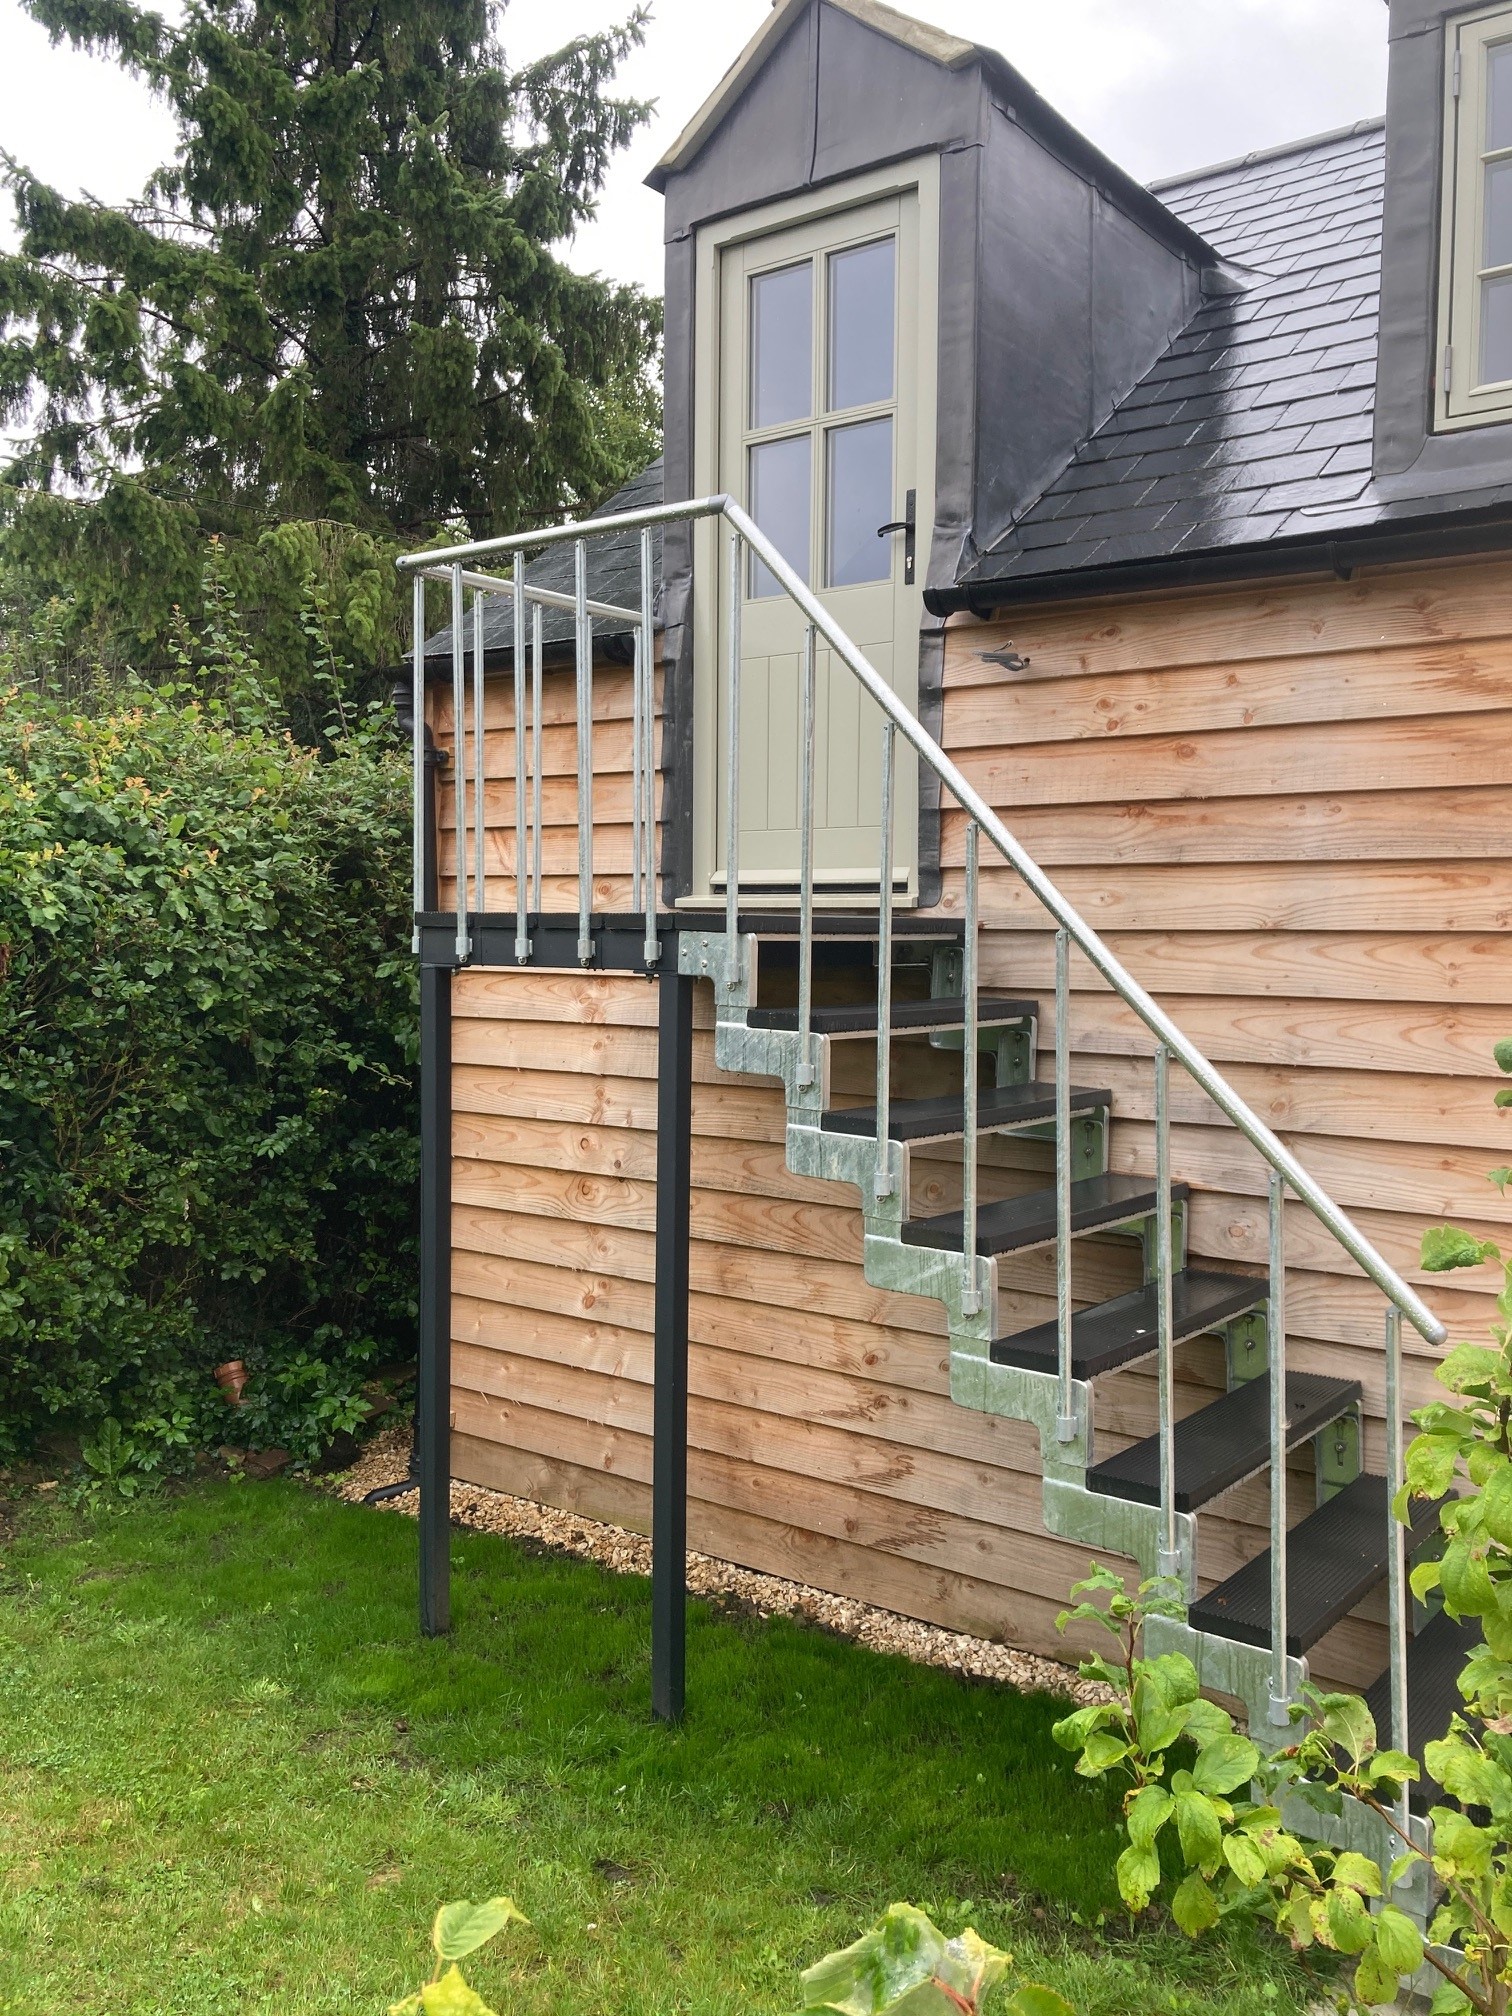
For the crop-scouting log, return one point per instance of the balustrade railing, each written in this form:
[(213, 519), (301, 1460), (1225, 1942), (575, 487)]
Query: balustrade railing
[(1285, 1173)]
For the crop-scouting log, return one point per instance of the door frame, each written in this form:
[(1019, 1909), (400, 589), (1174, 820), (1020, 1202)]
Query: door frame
[(919, 177)]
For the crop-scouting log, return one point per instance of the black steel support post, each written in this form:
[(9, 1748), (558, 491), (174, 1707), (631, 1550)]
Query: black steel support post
[(669, 1471), (433, 1398)]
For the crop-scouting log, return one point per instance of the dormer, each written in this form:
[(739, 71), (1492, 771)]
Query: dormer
[(1444, 391), (900, 291)]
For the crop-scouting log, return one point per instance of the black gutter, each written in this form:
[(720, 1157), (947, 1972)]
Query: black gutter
[(1339, 553)]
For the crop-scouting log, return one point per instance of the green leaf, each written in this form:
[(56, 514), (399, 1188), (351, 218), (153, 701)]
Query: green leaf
[(461, 1929), (1225, 1764), (1398, 1940), (1349, 1928), (903, 1958), (451, 1996), (1503, 1055), (1348, 1724), (1158, 1719), (1194, 1907), (1496, 1504), (1138, 1874), (410, 2006), (1245, 1859), (1374, 1981), (1446, 1248), (1449, 2000), (1101, 1753), (1392, 1767), (1467, 1774), (1148, 1812), (1032, 2000), (1358, 1872), (1201, 1835), (1502, 1178)]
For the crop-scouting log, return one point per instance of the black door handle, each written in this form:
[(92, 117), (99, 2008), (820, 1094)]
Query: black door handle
[(909, 526)]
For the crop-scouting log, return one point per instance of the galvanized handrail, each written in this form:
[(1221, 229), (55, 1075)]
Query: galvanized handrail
[(913, 731)]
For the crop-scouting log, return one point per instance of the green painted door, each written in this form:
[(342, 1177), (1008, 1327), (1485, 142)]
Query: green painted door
[(819, 378)]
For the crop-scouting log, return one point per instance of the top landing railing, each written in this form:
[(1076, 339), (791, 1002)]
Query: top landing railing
[(1285, 1172)]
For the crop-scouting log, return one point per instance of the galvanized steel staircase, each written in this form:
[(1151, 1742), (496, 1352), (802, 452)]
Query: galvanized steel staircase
[(791, 991)]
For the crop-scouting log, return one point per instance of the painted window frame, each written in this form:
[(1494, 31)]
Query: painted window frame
[(1460, 400)]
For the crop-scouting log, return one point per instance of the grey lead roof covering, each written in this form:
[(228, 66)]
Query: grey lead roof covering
[(613, 576), (1257, 423)]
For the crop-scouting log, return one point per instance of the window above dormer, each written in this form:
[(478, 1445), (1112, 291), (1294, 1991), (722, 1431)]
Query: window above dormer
[(1475, 291)]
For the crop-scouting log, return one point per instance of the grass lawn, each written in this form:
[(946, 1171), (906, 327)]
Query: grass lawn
[(233, 1779)]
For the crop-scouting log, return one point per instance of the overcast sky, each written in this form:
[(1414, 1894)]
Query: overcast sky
[(1161, 85)]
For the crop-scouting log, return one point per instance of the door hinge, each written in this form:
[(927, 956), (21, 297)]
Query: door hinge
[(1459, 67), (1448, 367)]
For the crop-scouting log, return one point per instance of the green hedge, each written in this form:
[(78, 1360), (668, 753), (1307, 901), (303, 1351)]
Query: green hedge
[(207, 1087)]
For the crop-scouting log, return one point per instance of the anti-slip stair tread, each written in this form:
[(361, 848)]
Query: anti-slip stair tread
[(1435, 1659), (859, 1018), (1334, 1558), (944, 1118), (1019, 1224), (1126, 1329), (858, 923), (1222, 1444)]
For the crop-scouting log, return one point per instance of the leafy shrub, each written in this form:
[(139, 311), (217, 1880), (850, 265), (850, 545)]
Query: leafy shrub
[(207, 1042), (1236, 1853)]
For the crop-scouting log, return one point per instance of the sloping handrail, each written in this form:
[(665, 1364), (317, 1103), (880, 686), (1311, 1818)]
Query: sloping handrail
[(1166, 1032)]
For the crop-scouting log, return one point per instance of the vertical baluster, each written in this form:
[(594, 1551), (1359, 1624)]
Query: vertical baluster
[(1398, 1593), (1279, 1702), (971, 1296), (459, 755), (1065, 1426), (480, 823), (885, 1183), (637, 771), (646, 754), (1170, 1559), (420, 836), (806, 860), (522, 892), (732, 764), (537, 681), (585, 757)]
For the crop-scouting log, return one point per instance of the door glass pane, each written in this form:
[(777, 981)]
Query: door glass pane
[(1498, 247), (781, 504), (1499, 96), (860, 499), (862, 318), (782, 346), (1496, 330)]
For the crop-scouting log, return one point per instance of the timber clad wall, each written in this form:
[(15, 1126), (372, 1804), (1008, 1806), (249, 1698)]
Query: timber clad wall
[(1286, 807)]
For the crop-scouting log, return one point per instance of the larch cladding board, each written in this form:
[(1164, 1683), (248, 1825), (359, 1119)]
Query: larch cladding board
[(1286, 808), (613, 790)]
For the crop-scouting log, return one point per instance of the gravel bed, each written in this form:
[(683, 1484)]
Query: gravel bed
[(385, 1461)]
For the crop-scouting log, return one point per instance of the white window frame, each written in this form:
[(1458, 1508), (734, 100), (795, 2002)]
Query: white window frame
[(1460, 400)]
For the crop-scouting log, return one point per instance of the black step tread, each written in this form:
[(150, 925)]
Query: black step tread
[(859, 1018), (1019, 1224), (1334, 1558), (1222, 1444), (862, 922), (1435, 1659), (1126, 1329), (945, 1118)]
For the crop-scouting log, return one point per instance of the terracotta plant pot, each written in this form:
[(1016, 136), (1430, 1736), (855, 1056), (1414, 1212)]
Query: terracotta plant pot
[(232, 1380)]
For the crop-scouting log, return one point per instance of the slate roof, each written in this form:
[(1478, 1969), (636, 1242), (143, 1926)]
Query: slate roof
[(1257, 423), (613, 576)]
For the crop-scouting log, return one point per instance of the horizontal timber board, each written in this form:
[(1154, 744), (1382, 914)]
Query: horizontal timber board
[(1335, 896), (1250, 762), (1045, 704)]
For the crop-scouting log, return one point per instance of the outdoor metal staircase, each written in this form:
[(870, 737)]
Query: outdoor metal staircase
[(795, 990)]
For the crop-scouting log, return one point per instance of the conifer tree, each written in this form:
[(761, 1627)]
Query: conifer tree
[(336, 321)]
